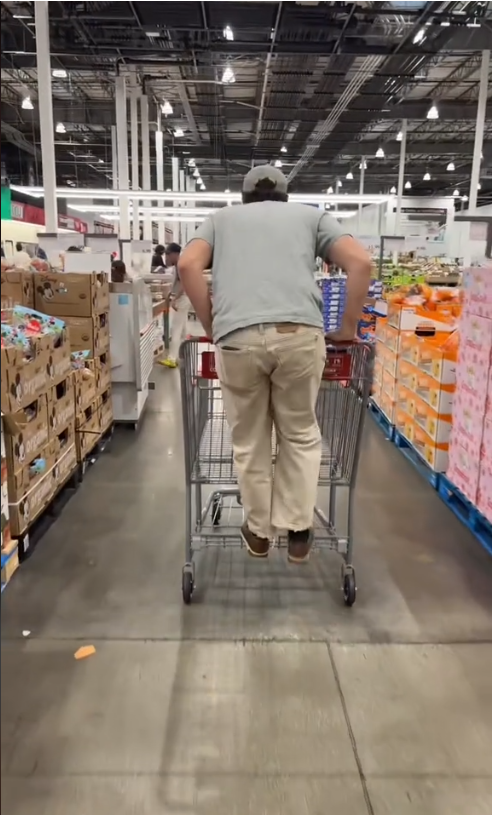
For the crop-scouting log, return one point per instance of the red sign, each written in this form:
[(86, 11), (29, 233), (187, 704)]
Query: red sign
[(35, 215)]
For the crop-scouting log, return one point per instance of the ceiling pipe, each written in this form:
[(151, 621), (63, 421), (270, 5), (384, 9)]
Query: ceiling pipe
[(267, 75)]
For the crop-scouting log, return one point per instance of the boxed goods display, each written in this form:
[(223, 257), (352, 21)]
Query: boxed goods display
[(35, 354), (6, 539), (26, 433), (17, 289), (88, 430), (61, 405), (71, 295), (85, 385), (334, 297), (89, 333)]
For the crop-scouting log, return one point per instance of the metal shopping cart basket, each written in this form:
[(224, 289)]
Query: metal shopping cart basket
[(341, 409)]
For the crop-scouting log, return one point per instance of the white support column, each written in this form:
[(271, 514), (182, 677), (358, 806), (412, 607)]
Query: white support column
[(175, 169), (135, 160), (45, 101), (144, 113), (191, 226), (159, 162), (114, 161), (401, 176), (182, 225), (361, 191), (122, 141), (479, 129)]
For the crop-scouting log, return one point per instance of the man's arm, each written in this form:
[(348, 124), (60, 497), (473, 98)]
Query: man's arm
[(349, 255), (195, 258)]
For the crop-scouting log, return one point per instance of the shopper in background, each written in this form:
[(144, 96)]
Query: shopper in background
[(118, 271), (157, 258), (180, 305), (267, 325), (22, 260)]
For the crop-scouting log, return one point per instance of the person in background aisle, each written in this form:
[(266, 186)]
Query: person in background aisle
[(180, 305), (267, 325), (21, 258), (157, 258)]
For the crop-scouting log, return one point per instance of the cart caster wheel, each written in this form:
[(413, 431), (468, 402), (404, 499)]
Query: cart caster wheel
[(349, 589), (216, 511), (188, 587)]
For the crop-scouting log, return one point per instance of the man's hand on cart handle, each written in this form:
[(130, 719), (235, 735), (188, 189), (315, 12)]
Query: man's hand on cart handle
[(342, 335)]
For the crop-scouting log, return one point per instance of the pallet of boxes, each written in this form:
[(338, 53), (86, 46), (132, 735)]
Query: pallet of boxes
[(38, 414), (81, 300), (415, 376)]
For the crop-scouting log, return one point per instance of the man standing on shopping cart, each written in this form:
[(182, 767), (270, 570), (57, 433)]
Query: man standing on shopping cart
[(267, 324)]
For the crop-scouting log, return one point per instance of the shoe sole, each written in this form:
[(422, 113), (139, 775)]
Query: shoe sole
[(252, 551), (298, 560)]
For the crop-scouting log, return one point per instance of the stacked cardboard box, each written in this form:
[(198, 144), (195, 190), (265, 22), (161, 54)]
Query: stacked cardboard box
[(470, 460), (17, 289), (10, 555), (82, 301), (414, 378), (39, 411)]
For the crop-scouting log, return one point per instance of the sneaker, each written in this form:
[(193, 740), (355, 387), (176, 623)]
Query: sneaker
[(299, 546), (169, 363), (256, 546)]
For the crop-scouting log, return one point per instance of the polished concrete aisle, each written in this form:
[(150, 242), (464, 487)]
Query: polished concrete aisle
[(265, 697)]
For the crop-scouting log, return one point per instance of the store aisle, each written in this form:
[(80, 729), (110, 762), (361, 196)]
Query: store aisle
[(266, 696)]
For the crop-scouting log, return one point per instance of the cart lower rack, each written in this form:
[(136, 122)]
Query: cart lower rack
[(209, 459)]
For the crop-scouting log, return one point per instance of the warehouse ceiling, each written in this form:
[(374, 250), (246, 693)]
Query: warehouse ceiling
[(317, 85)]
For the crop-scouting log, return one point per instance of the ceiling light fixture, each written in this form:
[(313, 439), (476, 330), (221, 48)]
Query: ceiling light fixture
[(479, 186), (393, 190), (363, 165), (196, 173), (167, 108), (228, 77), (228, 33), (339, 183), (227, 190), (27, 104), (427, 177), (419, 37), (192, 162), (456, 193), (178, 133), (380, 153), (450, 168), (464, 198), (59, 73), (278, 163), (433, 112), (350, 176), (153, 33), (408, 185), (60, 128), (399, 136), (329, 191), (283, 149)]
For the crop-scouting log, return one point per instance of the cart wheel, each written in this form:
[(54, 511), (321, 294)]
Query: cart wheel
[(349, 589), (188, 587), (216, 510)]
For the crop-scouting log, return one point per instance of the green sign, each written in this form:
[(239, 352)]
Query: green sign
[(6, 204)]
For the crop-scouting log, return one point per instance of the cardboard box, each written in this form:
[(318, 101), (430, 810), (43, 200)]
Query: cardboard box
[(406, 373), (24, 511), (71, 295), (88, 430), (439, 397), (61, 405), (85, 387), (65, 466), (437, 427), (484, 495), (389, 385), (34, 470), (89, 333), (381, 325), (396, 338), (17, 289), (26, 433), (413, 318), (434, 454), (6, 537), (25, 379), (477, 287), (464, 471), (106, 410), (10, 565), (468, 422)]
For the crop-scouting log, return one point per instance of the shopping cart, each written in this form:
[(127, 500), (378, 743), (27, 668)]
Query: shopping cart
[(209, 461)]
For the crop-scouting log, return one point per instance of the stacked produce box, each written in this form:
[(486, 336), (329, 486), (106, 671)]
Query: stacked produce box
[(82, 301), (10, 555), (38, 412), (470, 460), (415, 375)]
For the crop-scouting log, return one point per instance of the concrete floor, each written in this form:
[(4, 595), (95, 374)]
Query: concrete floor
[(266, 696)]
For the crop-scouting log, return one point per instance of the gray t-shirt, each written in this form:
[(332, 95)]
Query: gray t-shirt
[(264, 258)]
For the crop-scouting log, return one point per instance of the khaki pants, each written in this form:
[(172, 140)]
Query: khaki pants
[(270, 376)]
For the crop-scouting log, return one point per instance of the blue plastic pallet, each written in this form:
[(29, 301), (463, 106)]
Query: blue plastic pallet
[(381, 419), (466, 512), (416, 459)]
